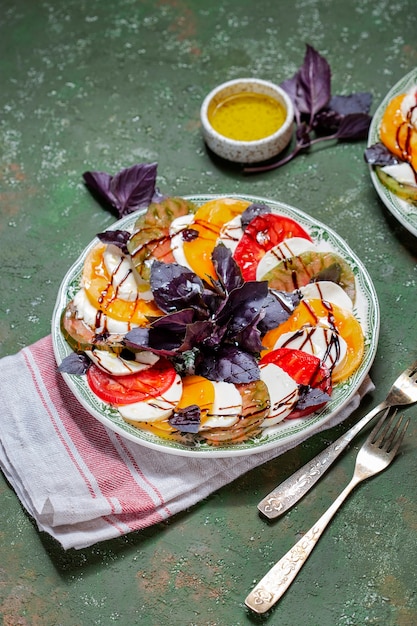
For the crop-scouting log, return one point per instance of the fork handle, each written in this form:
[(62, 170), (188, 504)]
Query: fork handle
[(276, 582), (298, 484)]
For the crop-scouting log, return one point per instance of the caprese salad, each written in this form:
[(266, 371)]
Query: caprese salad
[(212, 323), (394, 157)]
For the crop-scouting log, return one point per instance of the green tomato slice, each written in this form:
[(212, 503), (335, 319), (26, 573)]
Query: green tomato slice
[(298, 271), (81, 337), (402, 190)]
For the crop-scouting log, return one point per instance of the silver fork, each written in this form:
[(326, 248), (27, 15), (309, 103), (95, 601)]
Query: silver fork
[(374, 456), (283, 497)]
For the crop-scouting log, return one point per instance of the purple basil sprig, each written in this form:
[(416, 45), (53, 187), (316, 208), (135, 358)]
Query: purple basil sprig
[(219, 323), (127, 191), (319, 116)]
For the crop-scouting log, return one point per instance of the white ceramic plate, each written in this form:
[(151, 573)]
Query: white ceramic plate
[(405, 212), (366, 309)]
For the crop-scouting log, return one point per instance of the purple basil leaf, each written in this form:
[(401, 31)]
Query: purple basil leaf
[(378, 154), (118, 238), (290, 86), (137, 338), (171, 334), (250, 337), (75, 363), (186, 420), (189, 234), (347, 115), (242, 307), (159, 341), (228, 364), (314, 80), (327, 122), (278, 306), (183, 291), (354, 103), (176, 322), (216, 337), (214, 297), (200, 333), (227, 270), (99, 183), (354, 126), (134, 187), (129, 190), (252, 211), (310, 396), (175, 287)]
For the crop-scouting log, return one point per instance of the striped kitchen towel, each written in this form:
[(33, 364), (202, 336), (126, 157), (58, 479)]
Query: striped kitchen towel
[(80, 481)]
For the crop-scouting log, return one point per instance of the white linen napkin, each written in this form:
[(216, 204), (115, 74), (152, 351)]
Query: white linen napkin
[(81, 482)]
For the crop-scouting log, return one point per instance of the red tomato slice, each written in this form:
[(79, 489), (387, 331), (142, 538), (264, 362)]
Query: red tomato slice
[(263, 233), (131, 388), (305, 369)]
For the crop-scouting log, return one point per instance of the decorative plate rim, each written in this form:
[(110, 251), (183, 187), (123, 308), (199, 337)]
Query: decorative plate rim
[(403, 211), (290, 431)]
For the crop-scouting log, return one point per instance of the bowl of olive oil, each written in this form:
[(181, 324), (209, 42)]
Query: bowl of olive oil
[(247, 120)]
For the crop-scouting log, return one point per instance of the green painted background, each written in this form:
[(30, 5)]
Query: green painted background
[(97, 85)]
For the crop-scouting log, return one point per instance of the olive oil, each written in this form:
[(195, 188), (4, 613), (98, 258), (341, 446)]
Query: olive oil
[(247, 116)]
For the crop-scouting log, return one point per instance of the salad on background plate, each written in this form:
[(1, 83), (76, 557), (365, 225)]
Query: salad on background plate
[(392, 151), (246, 326)]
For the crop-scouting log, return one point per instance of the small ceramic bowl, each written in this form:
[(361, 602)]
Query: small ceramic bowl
[(247, 151)]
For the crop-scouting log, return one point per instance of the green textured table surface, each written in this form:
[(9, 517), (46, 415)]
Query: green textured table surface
[(100, 86)]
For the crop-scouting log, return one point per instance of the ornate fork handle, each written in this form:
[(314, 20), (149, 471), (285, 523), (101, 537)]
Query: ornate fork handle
[(274, 584), (298, 484), (373, 457)]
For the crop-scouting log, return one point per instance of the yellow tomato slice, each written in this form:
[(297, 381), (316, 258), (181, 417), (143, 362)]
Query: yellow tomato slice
[(161, 428), (208, 221), (316, 312), (100, 292), (397, 134), (197, 390)]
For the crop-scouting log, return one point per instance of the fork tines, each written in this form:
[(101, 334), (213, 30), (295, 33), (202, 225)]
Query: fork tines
[(382, 438)]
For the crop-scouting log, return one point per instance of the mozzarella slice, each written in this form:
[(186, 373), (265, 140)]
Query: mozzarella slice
[(292, 246), (328, 291), (117, 366), (402, 172), (283, 393), (154, 409), (121, 272), (227, 406), (231, 233), (323, 343), (177, 243)]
